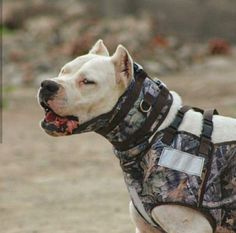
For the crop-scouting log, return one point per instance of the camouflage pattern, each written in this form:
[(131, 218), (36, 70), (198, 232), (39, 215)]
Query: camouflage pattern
[(135, 119), (156, 185)]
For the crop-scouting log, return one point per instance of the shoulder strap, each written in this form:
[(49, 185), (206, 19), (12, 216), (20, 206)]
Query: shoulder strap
[(206, 149), (170, 132), (207, 129)]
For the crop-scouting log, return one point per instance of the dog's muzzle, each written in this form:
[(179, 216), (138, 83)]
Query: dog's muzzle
[(52, 123)]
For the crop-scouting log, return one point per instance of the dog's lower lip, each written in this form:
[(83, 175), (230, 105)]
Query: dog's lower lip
[(48, 111)]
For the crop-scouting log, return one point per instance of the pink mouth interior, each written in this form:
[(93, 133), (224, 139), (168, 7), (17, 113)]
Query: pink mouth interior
[(64, 125)]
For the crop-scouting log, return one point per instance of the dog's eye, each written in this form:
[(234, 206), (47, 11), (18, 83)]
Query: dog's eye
[(88, 82)]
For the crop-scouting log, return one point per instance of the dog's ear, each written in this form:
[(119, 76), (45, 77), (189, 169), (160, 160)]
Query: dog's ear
[(99, 48), (123, 65)]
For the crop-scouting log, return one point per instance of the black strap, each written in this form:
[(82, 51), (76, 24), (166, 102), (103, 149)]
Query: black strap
[(206, 149), (127, 105), (207, 129), (171, 131)]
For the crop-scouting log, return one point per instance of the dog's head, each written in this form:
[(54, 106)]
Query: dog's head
[(85, 88)]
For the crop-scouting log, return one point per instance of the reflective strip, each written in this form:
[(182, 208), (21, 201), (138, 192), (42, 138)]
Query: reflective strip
[(139, 205), (181, 161)]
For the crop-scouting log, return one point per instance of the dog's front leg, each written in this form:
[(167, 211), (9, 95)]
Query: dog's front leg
[(181, 219)]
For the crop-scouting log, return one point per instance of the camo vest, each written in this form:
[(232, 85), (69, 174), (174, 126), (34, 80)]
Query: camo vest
[(183, 169)]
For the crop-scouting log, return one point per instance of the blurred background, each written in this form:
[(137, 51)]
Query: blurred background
[(74, 184)]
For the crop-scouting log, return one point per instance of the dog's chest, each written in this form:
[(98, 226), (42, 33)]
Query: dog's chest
[(154, 184)]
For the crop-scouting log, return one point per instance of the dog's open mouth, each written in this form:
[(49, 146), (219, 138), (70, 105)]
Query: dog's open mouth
[(56, 125)]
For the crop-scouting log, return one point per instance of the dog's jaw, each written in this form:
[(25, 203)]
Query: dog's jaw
[(56, 125)]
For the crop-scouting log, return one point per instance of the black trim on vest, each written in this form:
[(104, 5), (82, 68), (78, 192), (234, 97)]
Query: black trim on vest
[(206, 149)]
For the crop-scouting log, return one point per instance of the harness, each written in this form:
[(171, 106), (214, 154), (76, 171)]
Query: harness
[(133, 157), (152, 181)]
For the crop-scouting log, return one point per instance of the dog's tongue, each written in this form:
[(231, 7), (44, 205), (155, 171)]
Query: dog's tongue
[(50, 116), (57, 126)]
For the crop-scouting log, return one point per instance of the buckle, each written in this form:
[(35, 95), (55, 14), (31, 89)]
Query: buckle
[(207, 128), (158, 82), (144, 106), (205, 146), (178, 119)]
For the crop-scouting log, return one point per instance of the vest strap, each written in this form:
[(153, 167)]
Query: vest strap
[(207, 129), (171, 131), (206, 149)]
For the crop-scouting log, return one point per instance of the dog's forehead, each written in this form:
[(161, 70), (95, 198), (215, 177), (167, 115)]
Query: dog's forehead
[(77, 63)]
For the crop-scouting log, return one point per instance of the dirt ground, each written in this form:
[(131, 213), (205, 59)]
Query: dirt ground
[(74, 184)]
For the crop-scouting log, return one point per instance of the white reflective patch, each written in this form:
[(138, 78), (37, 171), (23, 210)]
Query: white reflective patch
[(181, 161)]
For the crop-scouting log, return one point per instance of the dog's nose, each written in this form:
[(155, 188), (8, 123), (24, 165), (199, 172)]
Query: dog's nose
[(50, 86)]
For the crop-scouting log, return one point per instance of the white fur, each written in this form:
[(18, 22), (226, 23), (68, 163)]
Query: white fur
[(224, 127), (141, 225), (111, 77), (87, 102)]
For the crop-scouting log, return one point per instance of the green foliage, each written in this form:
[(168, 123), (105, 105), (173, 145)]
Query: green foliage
[(3, 103), (6, 91), (5, 31)]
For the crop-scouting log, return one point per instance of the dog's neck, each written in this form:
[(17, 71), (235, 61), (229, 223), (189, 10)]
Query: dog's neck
[(176, 105), (133, 127), (126, 131)]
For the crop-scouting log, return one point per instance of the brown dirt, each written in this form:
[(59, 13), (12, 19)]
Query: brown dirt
[(74, 184)]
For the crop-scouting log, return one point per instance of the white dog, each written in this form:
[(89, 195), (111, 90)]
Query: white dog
[(82, 98)]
